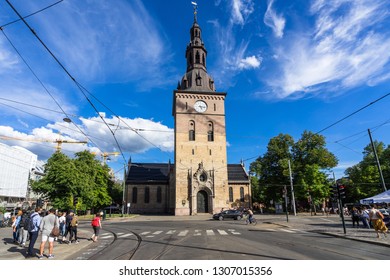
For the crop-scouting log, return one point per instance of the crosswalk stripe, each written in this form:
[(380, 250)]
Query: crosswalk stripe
[(157, 232), (287, 230), (171, 232), (210, 232), (198, 232), (126, 235), (183, 233), (145, 233), (105, 237), (222, 232)]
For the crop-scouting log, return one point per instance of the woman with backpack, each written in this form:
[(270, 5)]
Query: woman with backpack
[(96, 225)]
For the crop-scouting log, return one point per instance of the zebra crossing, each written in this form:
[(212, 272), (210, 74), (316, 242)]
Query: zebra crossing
[(195, 232)]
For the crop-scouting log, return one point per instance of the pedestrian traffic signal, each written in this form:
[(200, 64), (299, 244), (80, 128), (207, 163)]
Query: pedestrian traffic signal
[(333, 191), (75, 201), (341, 189)]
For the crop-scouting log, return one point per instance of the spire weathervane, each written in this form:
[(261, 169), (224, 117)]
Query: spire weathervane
[(195, 9)]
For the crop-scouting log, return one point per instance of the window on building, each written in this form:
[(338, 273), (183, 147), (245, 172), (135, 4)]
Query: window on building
[(230, 194), (135, 194), (210, 132), (191, 131), (242, 197), (197, 57), (147, 195), (159, 194)]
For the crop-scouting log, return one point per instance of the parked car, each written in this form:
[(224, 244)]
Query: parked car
[(228, 214)]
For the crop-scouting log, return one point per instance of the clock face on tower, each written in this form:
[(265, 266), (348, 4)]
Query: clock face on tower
[(200, 106)]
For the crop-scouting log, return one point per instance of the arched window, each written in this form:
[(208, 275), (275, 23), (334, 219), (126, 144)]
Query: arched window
[(159, 194), (203, 59), (242, 197), (147, 195), (230, 194), (191, 131), (135, 194), (210, 132), (197, 57)]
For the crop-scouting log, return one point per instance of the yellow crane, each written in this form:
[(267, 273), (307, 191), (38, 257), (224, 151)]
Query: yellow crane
[(58, 141), (106, 155)]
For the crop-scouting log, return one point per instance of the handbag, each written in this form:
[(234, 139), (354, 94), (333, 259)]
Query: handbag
[(55, 232)]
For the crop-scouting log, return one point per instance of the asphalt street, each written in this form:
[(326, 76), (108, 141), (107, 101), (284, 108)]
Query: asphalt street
[(319, 224)]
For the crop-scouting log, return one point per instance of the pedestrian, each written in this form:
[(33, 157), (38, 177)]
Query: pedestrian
[(365, 217), (46, 226), (1, 218), (23, 229), (62, 222), (376, 218), (96, 226), (33, 230), (355, 217), (73, 228), (68, 220)]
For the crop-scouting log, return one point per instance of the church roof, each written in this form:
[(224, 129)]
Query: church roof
[(158, 173)]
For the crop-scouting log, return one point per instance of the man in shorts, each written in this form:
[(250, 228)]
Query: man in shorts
[(46, 227)]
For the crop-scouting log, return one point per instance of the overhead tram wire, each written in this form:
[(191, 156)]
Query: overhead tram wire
[(68, 73), (7, 105), (41, 10), (353, 113), (43, 85)]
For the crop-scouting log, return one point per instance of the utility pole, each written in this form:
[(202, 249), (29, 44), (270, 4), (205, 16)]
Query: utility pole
[(340, 203), (377, 162), (292, 189)]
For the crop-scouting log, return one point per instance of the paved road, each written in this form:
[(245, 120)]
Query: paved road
[(168, 237)]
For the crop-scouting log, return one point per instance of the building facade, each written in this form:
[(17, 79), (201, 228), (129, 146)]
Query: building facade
[(200, 180)]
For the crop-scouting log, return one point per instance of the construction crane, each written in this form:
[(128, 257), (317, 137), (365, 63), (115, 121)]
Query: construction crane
[(106, 155), (58, 141)]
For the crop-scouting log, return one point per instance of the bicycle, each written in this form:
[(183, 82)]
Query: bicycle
[(252, 222)]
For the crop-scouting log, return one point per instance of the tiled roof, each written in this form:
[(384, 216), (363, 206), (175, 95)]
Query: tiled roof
[(159, 173)]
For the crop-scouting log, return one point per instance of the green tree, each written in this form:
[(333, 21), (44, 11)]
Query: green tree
[(67, 181), (60, 182), (364, 179)]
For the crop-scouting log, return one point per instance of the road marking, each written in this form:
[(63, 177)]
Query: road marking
[(198, 232), (171, 232), (183, 233), (233, 231), (126, 235), (106, 233), (287, 230), (210, 232), (222, 232), (157, 232), (106, 237), (145, 233)]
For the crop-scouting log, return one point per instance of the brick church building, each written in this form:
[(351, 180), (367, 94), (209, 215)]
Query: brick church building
[(200, 180)]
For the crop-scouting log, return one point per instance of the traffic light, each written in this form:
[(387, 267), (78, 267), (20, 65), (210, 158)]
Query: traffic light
[(341, 189), (333, 191), (75, 201)]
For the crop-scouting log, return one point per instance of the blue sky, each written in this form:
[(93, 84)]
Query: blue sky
[(287, 66)]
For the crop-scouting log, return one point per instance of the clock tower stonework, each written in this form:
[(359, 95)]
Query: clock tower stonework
[(200, 176)]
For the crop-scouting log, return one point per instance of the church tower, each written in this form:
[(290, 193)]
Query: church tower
[(200, 178)]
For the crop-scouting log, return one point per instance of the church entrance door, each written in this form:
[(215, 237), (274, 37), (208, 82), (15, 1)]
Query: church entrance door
[(202, 202)]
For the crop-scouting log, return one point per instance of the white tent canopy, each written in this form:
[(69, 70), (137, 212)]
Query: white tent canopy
[(379, 198)]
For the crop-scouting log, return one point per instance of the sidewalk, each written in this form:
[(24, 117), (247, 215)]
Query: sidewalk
[(11, 251), (331, 225)]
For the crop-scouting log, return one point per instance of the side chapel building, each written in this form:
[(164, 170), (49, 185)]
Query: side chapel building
[(200, 180)]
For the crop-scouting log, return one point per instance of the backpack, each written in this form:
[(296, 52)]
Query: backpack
[(74, 222), (30, 222), (95, 222), (23, 221)]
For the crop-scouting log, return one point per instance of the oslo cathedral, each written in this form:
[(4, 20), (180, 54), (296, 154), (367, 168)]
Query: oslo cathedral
[(200, 180)]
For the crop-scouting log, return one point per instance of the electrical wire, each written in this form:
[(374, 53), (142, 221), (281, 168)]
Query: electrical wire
[(41, 10)]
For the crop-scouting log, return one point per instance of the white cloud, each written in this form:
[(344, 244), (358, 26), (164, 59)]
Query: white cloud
[(100, 41), (241, 9), (274, 21), (249, 62), (342, 51), (133, 135)]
